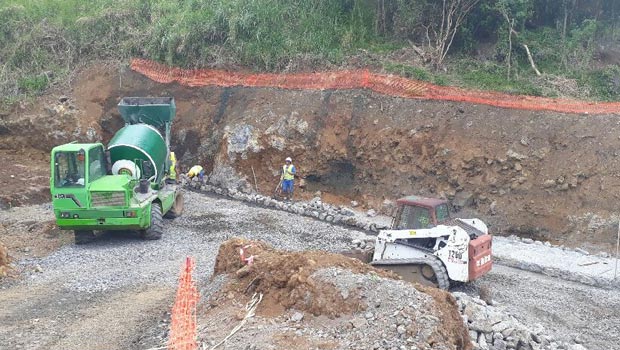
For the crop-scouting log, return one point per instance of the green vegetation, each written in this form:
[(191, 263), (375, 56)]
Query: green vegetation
[(43, 41)]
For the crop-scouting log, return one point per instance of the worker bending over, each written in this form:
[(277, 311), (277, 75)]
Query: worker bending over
[(287, 178), (196, 170)]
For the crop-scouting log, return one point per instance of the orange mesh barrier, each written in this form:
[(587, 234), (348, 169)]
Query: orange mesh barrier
[(364, 79), (183, 318)]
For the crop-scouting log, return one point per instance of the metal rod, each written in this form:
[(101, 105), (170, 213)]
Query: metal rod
[(617, 250)]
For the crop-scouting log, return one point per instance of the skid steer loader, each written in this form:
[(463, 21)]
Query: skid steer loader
[(427, 246)]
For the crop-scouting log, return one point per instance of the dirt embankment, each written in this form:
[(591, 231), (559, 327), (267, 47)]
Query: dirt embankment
[(540, 174)]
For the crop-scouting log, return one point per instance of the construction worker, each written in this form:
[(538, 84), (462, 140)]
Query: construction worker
[(172, 173), (287, 178), (196, 170)]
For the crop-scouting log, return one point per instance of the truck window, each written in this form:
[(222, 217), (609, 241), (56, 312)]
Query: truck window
[(442, 213), (413, 218), (69, 169), (97, 166)]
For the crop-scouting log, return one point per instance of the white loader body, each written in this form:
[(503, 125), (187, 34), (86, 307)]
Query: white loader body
[(448, 244)]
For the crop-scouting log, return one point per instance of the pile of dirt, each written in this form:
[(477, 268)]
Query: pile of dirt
[(323, 300), (285, 277), (4, 260)]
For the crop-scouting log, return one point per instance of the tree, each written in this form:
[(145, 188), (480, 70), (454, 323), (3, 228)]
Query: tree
[(515, 12), (440, 34)]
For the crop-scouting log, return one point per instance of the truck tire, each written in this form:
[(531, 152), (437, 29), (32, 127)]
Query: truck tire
[(157, 226), (177, 207), (84, 236)]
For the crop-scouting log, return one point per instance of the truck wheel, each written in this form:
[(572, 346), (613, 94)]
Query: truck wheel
[(84, 236), (177, 207), (157, 226)]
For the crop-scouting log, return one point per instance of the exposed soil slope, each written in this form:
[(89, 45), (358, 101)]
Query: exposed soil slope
[(542, 174)]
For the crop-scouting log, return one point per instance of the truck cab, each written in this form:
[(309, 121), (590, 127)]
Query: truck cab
[(74, 167)]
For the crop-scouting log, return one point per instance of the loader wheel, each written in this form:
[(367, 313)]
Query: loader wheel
[(177, 207), (84, 236), (157, 226), (427, 272)]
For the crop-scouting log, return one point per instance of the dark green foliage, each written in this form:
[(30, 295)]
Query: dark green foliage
[(41, 41)]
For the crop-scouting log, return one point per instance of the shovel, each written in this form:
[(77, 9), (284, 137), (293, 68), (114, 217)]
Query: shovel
[(277, 191)]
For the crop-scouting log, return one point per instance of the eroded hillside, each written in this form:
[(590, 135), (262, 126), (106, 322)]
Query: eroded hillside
[(542, 174)]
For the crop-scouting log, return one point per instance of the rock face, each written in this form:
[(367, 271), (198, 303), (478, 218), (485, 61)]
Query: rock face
[(527, 172), (315, 297)]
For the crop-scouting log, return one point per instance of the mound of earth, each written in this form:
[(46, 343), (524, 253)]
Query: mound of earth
[(325, 301), (4, 260)]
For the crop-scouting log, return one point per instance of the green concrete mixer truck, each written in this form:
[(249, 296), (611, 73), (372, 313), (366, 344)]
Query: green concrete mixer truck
[(127, 186)]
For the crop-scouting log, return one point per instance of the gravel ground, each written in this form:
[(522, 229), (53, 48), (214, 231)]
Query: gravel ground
[(568, 311), (119, 272), (120, 286)]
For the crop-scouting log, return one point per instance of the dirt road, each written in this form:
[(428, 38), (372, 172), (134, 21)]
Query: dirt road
[(114, 293)]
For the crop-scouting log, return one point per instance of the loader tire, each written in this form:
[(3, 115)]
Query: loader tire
[(156, 229), (177, 207), (84, 236), (441, 275)]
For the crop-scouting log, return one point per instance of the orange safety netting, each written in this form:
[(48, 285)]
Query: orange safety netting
[(183, 317), (364, 79)]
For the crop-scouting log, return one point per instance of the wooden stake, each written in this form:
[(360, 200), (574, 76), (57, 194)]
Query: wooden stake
[(617, 250), (255, 183)]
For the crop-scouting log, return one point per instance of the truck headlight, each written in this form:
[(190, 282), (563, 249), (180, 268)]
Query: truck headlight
[(130, 214), (65, 215), (75, 216)]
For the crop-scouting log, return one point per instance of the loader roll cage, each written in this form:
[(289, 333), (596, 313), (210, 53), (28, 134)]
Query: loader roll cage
[(420, 213)]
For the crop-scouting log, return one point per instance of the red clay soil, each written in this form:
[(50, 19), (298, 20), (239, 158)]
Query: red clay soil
[(364, 79), (284, 277)]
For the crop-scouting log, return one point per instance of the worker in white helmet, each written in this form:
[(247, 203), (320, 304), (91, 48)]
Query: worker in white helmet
[(287, 177)]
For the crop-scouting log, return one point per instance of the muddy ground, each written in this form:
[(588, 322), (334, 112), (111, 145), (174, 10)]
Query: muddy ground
[(537, 174)]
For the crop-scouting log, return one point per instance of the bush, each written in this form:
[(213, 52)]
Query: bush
[(604, 83), (33, 84)]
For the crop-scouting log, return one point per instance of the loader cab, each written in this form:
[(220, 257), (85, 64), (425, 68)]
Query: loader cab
[(415, 213)]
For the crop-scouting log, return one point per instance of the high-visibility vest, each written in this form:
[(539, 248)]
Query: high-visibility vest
[(173, 166), (194, 171), (286, 172)]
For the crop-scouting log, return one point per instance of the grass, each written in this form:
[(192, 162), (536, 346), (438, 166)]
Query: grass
[(416, 72), (492, 76)]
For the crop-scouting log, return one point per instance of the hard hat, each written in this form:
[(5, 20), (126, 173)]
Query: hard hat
[(288, 159)]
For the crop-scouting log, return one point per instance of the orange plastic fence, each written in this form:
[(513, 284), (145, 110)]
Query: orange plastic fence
[(364, 79), (183, 318)]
